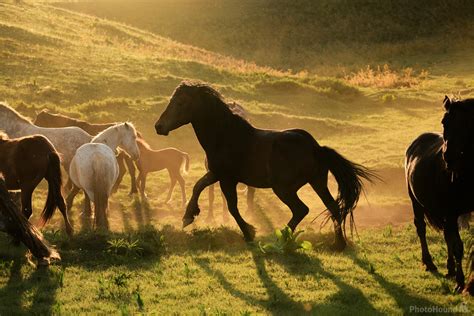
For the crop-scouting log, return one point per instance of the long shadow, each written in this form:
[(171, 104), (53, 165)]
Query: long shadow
[(278, 302), (42, 281), (403, 298), (14, 285), (344, 300)]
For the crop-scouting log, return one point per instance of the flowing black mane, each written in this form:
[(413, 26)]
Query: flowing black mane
[(213, 96)]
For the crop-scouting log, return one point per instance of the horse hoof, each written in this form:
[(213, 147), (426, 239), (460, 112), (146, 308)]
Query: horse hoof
[(69, 231), (430, 267), (250, 235), (187, 221), (338, 245)]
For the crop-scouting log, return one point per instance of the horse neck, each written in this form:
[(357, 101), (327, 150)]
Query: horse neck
[(217, 124), (110, 138), (19, 128)]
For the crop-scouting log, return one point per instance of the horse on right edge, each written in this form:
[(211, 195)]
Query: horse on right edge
[(440, 178)]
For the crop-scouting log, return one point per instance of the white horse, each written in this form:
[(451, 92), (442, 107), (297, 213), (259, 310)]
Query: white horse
[(66, 140), (95, 170)]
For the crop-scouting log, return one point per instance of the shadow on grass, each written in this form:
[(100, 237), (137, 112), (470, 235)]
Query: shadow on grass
[(402, 297), (40, 286), (278, 301)]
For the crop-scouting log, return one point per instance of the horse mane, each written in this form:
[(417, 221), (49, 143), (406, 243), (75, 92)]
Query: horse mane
[(108, 129), (217, 98), (458, 104), (143, 142), (5, 109)]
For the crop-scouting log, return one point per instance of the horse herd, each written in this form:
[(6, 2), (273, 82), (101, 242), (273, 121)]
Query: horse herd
[(438, 168)]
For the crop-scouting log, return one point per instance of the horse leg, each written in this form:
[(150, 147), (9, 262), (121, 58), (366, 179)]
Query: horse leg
[(183, 189), (229, 188), (450, 261), (172, 185), (297, 207), (225, 209), (210, 214), (69, 185), (420, 225), (70, 197), (26, 207), (455, 243), (121, 157), (131, 170), (142, 181), (63, 209), (320, 186), (192, 209)]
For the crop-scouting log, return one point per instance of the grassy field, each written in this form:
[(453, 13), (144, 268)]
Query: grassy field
[(101, 70)]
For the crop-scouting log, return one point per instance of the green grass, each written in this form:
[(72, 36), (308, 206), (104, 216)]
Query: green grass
[(213, 271), (103, 71)]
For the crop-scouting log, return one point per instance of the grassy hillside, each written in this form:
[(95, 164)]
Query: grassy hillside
[(101, 70), (318, 36)]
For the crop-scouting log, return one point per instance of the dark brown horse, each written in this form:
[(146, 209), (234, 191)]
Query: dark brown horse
[(47, 119), (15, 224), (281, 160), (26, 161), (440, 179)]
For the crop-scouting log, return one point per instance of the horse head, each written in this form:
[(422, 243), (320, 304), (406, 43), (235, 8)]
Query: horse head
[(179, 110), (128, 140), (458, 135)]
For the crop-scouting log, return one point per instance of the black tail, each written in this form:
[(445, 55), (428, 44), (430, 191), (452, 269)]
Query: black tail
[(55, 197), (19, 227), (349, 178)]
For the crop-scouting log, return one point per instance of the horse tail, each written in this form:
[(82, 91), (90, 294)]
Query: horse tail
[(19, 227), (185, 163), (101, 200), (55, 197), (349, 176)]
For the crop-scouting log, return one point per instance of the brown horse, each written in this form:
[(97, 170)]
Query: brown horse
[(16, 225), (47, 119), (281, 160), (171, 159), (24, 162)]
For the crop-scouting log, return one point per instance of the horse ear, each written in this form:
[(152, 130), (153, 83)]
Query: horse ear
[(127, 125), (447, 102)]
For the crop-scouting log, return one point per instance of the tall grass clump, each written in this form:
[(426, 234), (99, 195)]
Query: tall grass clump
[(385, 77)]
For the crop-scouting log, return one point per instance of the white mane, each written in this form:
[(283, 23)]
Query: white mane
[(106, 133)]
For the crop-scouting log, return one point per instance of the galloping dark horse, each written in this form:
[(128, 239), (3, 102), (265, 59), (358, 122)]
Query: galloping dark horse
[(15, 224), (281, 160), (25, 162), (47, 119), (440, 178)]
